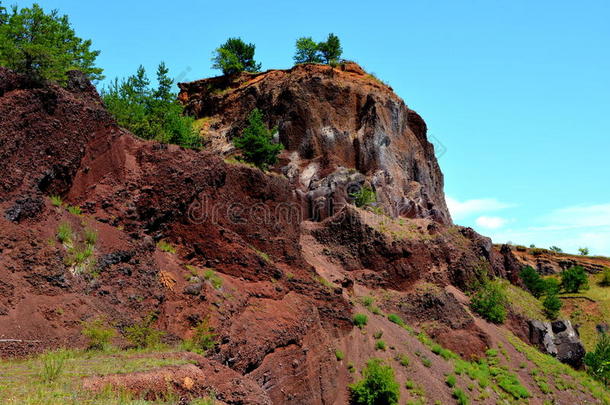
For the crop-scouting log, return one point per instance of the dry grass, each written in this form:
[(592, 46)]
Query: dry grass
[(54, 378)]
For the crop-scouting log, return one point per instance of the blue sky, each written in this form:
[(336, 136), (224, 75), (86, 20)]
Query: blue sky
[(515, 91)]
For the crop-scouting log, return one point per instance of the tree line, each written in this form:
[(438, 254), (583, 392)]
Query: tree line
[(44, 47)]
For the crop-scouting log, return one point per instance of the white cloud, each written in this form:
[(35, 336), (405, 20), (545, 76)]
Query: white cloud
[(491, 222), (463, 209), (569, 228)]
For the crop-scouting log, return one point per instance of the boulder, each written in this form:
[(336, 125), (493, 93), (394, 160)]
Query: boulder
[(559, 339)]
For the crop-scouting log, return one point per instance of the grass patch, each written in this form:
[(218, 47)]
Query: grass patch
[(74, 210), (99, 334), (339, 355), (211, 276), (166, 247), (203, 340), (56, 201), (55, 378), (396, 319), (64, 233), (380, 345), (360, 320)]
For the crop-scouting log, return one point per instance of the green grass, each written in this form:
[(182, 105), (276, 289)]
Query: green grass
[(367, 301), (166, 247), (522, 302), (360, 320), (380, 345), (451, 380), (403, 359), (460, 396), (64, 233), (396, 319), (550, 366), (55, 378), (90, 236), (211, 276), (74, 210), (582, 315), (56, 201), (339, 355)]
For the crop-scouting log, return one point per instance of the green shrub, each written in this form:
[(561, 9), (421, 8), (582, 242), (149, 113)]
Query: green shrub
[(64, 233), (52, 365), (44, 46), (360, 320), (409, 384), (256, 142), (143, 335), (307, 51), (99, 334), (556, 249), (521, 248), (552, 304), (378, 386), (597, 362), (339, 355), (490, 302), (364, 196), (460, 396), (203, 339), (584, 251), (396, 319), (532, 280), (378, 334), (426, 361), (574, 279), (380, 345), (451, 380), (235, 56), (605, 281)]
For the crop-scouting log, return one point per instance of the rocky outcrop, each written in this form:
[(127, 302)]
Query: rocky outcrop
[(549, 262), (559, 339), (341, 129)]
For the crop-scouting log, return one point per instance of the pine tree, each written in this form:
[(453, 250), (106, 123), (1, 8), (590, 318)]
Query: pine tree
[(235, 56), (256, 143), (331, 49), (307, 51), (150, 113), (44, 46)]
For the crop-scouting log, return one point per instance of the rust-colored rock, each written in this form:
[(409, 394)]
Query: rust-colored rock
[(330, 121)]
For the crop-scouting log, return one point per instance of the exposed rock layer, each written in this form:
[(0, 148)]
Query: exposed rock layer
[(330, 120)]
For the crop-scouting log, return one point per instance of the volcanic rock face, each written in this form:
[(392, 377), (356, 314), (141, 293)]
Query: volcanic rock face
[(340, 128), (279, 291)]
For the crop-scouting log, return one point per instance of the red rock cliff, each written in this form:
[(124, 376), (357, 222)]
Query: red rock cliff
[(341, 128)]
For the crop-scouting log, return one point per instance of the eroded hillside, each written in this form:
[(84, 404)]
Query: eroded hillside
[(276, 263)]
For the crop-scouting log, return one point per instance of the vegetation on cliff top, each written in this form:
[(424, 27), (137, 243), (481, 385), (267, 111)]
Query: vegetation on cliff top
[(150, 113), (44, 46)]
